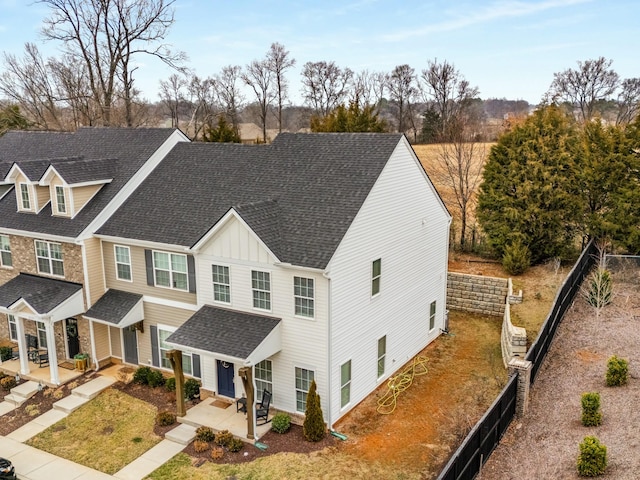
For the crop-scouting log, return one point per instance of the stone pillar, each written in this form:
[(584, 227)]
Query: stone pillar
[(523, 369)]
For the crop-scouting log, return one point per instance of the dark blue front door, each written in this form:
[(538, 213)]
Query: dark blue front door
[(225, 379)]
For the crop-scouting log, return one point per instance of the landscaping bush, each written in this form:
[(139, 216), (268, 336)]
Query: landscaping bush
[(314, 428), (205, 434), (281, 422), (32, 410), (217, 453), (591, 415), (516, 258), (617, 372), (200, 446), (592, 460), (141, 375), (165, 418), (191, 388), (223, 438), (8, 382), (235, 445), (155, 378), (170, 384), (5, 353)]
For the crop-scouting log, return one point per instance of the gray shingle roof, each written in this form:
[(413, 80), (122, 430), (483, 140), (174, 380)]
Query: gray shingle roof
[(113, 306), (83, 170), (227, 332), (43, 294), (36, 150), (300, 194)]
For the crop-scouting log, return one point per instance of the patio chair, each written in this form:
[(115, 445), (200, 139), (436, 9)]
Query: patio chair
[(262, 409)]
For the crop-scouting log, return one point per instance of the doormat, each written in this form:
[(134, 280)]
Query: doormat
[(220, 403), (67, 365)]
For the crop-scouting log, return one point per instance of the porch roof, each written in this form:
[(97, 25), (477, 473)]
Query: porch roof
[(228, 333), (117, 308), (45, 297)]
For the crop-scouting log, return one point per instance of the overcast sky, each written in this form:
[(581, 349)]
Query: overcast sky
[(507, 49)]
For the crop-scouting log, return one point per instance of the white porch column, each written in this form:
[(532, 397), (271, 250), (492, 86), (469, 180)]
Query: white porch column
[(22, 346), (51, 350), (94, 351)]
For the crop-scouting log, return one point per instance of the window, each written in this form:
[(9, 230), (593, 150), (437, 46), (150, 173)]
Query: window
[(221, 284), (25, 198), (42, 335), (123, 263), (61, 204), (13, 328), (170, 270), (303, 383), (5, 252), (187, 363), (49, 256), (261, 285), (432, 316), (382, 355), (264, 378), (376, 272), (345, 383), (303, 296)]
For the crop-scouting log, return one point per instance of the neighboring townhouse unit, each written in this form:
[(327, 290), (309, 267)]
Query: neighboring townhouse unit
[(319, 257), (58, 188)]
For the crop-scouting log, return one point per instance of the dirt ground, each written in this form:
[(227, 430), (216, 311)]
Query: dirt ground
[(544, 443)]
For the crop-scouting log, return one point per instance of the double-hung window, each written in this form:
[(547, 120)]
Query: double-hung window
[(261, 287), (221, 283), (25, 197), (376, 273), (42, 335), (49, 257), (304, 378), (5, 252), (432, 316), (61, 204), (187, 361), (345, 383), (123, 262), (382, 355), (13, 328), (303, 296), (264, 377), (170, 270)]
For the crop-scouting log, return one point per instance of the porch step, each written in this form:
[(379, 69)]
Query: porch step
[(93, 388), (22, 393), (70, 403), (182, 434)]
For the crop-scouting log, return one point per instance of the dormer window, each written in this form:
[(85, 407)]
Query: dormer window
[(61, 205), (25, 197)]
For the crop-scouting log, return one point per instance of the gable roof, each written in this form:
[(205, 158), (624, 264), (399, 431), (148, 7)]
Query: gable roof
[(94, 152), (42, 294), (300, 194)]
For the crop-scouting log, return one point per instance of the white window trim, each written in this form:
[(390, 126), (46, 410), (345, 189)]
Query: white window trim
[(49, 258), (115, 260), (313, 299), (268, 384), (373, 278), (295, 388), (346, 384), (41, 329), (432, 316), (6, 251), (258, 290), (171, 283), (382, 357), (167, 328), (64, 198), (13, 320), (29, 198), (213, 293)]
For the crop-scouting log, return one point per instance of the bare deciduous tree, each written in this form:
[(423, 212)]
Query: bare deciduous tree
[(325, 85), (401, 83), (279, 62), (172, 95), (259, 77), (368, 87), (229, 95), (628, 101), (203, 101)]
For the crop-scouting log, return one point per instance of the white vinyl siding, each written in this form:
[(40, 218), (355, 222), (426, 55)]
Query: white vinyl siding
[(5, 252), (382, 355), (61, 203), (303, 296), (304, 378), (163, 334), (264, 378), (25, 197), (49, 257), (13, 328), (261, 288), (376, 273), (170, 270), (123, 262), (345, 384), (221, 283), (432, 316)]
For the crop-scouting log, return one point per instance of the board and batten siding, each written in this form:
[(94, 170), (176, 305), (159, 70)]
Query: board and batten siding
[(304, 341), (404, 223)]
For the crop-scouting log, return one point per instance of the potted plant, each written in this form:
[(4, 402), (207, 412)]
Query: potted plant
[(82, 361)]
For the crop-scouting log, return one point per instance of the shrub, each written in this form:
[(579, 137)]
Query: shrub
[(200, 446), (141, 375), (313, 427), (205, 434), (617, 372), (591, 416), (155, 378), (191, 388), (58, 393), (5, 353), (281, 422), (516, 258), (8, 382), (165, 418), (170, 384), (235, 445), (217, 453), (32, 410), (223, 438), (592, 460)]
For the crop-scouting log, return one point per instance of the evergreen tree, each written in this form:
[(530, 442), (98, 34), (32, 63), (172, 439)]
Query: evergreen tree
[(223, 132), (349, 119), (12, 119), (314, 428)]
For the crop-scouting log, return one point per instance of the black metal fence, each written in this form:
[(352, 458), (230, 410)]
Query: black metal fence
[(484, 437)]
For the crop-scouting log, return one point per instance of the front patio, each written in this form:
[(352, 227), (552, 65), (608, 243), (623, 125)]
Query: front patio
[(37, 374)]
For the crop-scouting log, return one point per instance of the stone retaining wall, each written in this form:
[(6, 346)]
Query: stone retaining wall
[(513, 340), (476, 293)]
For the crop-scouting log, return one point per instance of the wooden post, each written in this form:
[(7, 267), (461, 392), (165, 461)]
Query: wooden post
[(175, 357), (247, 381)]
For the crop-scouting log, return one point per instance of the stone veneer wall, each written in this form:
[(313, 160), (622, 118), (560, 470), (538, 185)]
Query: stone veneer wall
[(476, 293), (513, 340)]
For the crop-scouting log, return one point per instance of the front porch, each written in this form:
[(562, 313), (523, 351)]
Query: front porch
[(211, 412), (37, 374)]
